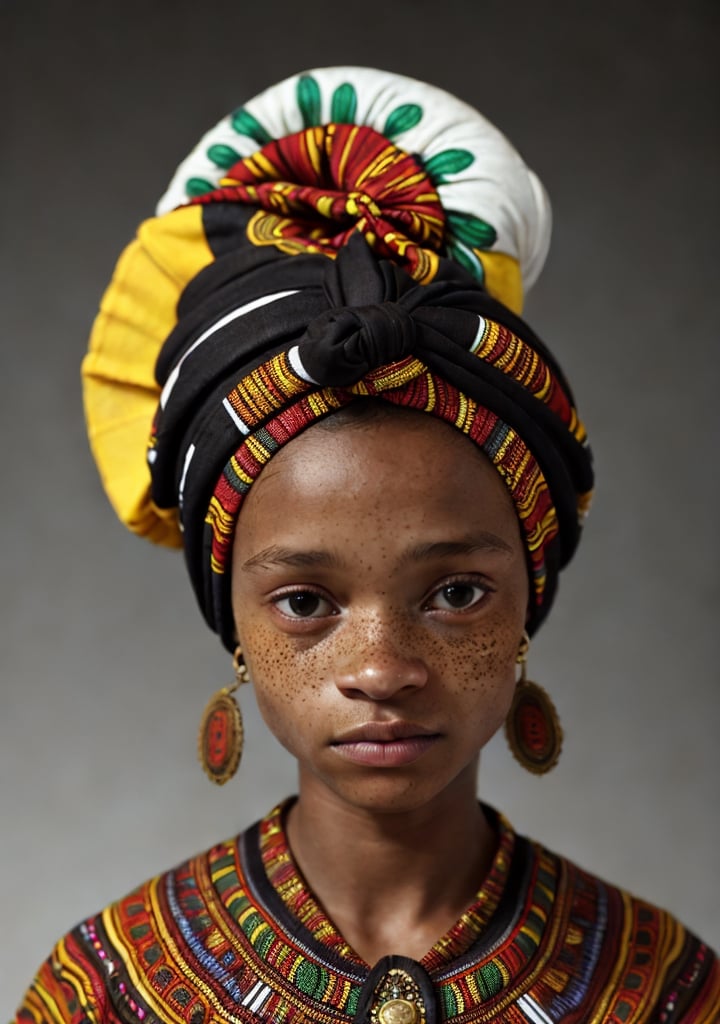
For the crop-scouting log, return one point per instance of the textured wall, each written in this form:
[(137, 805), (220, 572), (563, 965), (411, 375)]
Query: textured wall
[(105, 665)]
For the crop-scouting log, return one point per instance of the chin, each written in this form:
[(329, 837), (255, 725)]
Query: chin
[(394, 793)]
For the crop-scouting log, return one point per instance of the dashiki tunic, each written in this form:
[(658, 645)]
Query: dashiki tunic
[(234, 935)]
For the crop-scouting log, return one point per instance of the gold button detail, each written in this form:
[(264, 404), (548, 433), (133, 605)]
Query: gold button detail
[(398, 1011)]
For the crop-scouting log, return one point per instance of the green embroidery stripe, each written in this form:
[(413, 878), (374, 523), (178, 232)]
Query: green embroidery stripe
[(264, 942), (489, 980), (226, 861), (352, 1000), (526, 943), (238, 905), (192, 902), (535, 924), (250, 921), (225, 882), (450, 1006)]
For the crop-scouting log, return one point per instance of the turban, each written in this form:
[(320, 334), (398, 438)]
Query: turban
[(347, 234)]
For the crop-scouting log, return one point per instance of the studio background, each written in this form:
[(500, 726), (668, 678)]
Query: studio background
[(105, 663)]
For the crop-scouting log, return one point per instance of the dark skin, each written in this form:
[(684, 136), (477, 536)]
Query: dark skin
[(380, 593)]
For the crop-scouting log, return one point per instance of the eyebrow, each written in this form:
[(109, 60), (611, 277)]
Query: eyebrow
[(483, 541), (278, 556)]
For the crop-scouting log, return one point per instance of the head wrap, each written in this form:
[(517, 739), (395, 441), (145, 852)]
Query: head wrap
[(348, 233)]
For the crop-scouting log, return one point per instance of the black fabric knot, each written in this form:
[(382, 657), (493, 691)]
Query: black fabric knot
[(343, 344)]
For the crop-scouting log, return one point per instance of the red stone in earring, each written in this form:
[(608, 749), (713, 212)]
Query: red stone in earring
[(221, 735), (532, 728)]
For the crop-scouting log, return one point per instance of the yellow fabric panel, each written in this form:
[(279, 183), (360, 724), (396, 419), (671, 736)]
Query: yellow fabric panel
[(137, 313), (503, 279)]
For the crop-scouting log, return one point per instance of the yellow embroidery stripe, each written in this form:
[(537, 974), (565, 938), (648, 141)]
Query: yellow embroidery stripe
[(463, 419), (217, 517), (546, 528), (394, 376), (522, 363), (42, 1001), (347, 149), (401, 181), (385, 158), (126, 952), (312, 138)]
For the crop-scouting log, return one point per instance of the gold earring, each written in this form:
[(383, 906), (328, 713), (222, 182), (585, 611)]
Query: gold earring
[(221, 735), (532, 728)]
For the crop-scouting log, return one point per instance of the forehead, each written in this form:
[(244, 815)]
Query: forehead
[(390, 474)]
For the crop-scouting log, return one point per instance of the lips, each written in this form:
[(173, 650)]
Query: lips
[(383, 732), (385, 744)]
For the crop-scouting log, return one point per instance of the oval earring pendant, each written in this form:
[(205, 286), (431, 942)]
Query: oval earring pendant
[(533, 729), (221, 736)]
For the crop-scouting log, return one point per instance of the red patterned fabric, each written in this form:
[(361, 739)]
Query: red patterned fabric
[(315, 188)]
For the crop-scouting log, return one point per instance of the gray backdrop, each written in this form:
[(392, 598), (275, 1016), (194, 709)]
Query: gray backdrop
[(106, 665)]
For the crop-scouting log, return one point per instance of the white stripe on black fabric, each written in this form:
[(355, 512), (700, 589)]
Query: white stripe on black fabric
[(186, 465), (478, 337), (234, 314), (240, 424), (297, 365)]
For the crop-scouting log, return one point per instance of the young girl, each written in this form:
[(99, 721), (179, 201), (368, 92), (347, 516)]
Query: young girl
[(309, 371)]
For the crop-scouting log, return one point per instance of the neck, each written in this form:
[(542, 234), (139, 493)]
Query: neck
[(392, 882)]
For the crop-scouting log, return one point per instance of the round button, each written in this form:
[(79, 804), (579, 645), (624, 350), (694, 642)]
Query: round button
[(398, 1011)]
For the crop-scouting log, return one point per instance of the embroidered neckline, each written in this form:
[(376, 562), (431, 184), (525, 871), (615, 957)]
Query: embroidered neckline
[(214, 940), (234, 913), (286, 879)]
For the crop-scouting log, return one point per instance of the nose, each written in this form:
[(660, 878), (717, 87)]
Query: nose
[(379, 667)]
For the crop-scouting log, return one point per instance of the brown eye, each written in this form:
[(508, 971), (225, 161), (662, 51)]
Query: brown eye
[(304, 604), (456, 596)]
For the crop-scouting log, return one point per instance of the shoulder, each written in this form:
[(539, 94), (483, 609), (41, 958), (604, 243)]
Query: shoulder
[(617, 953), (97, 972), (179, 946)]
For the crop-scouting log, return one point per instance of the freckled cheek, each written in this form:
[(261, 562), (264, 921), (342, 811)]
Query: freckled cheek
[(482, 670), (286, 684)]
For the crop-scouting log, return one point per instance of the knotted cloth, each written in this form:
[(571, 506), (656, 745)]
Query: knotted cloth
[(326, 266)]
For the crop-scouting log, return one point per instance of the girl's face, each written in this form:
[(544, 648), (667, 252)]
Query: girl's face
[(380, 593)]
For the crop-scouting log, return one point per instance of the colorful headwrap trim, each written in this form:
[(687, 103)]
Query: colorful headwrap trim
[(408, 384), (309, 272)]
